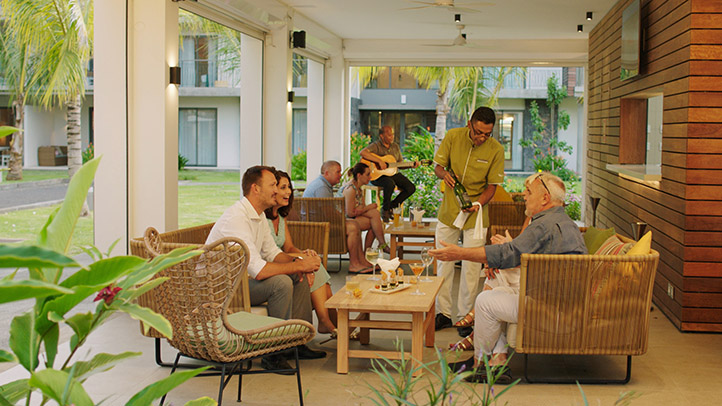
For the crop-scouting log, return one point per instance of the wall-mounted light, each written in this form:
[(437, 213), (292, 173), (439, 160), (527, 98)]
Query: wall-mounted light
[(580, 28), (298, 39), (291, 95), (457, 18), (175, 75), (590, 15)]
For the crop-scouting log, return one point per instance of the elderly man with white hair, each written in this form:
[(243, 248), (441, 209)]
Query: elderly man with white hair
[(551, 231)]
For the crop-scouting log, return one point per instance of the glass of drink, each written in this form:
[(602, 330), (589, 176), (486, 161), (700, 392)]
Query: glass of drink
[(417, 268), (352, 283), (427, 259), (372, 255), (397, 216)]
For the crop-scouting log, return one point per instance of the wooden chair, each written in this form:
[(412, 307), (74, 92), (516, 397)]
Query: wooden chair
[(311, 235), (197, 299), (324, 209)]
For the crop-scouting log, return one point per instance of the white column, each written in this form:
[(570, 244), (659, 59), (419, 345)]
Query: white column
[(111, 181), (336, 111), (277, 112), (128, 199), (314, 114), (251, 102)]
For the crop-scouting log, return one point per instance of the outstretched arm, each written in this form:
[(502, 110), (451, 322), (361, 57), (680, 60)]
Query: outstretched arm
[(452, 252)]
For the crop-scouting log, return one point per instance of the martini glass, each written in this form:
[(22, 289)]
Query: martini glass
[(427, 259)]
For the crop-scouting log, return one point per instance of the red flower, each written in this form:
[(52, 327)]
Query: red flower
[(107, 294)]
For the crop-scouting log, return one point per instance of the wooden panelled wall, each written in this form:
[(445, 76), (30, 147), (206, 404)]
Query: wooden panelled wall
[(681, 58)]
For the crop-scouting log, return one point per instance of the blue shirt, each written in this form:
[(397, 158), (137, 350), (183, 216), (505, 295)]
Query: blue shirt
[(319, 187), (550, 232)]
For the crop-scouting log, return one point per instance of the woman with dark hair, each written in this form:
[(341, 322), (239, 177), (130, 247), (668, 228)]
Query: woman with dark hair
[(318, 281), (367, 216)]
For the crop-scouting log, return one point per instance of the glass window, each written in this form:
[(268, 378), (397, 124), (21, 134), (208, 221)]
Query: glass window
[(197, 136)]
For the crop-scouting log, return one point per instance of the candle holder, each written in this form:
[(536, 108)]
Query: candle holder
[(638, 229), (594, 201)]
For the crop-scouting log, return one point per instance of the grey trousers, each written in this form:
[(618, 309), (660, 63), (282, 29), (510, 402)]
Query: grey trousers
[(287, 297)]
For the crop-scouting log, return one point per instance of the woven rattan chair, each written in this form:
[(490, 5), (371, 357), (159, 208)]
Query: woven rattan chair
[(196, 301), (311, 235), (324, 209), (505, 214), (585, 305)]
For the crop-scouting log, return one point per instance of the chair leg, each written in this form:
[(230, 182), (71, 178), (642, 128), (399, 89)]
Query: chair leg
[(298, 376), (175, 365), (222, 386)]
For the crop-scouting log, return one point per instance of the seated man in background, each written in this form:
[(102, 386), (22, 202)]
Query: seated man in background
[(274, 276), (387, 146), (322, 186), (551, 231)]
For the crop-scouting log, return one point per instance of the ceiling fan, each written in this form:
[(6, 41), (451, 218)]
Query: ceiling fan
[(460, 39), (449, 4)]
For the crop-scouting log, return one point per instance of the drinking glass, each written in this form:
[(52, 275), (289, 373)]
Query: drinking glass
[(352, 283), (427, 259), (372, 255), (417, 268)]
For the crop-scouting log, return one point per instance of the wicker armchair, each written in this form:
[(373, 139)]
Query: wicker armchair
[(585, 305), (310, 235), (324, 209), (505, 214), (197, 299)]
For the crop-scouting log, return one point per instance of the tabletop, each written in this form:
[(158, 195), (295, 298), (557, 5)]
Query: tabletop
[(406, 229), (402, 301)]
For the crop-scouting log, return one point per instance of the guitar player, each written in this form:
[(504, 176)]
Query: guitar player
[(386, 145)]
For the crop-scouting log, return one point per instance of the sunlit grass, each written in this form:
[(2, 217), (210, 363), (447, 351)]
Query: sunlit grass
[(25, 225), (33, 175)]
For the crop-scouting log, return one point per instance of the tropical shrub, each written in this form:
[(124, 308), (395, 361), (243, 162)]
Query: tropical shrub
[(298, 166), (116, 282), (428, 196), (182, 162), (89, 153), (358, 142)]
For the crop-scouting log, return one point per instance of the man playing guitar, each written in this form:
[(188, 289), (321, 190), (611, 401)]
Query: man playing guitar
[(374, 153)]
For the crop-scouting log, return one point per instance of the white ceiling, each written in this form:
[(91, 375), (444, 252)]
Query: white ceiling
[(520, 32)]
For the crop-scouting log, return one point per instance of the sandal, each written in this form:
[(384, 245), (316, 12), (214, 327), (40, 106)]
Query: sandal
[(466, 343), (466, 321), (366, 270), (354, 336)]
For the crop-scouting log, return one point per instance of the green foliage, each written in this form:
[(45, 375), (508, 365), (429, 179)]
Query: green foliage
[(182, 162), (544, 143), (117, 281), (7, 130), (298, 166), (428, 196), (440, 385), (358, 142), (88, 153)]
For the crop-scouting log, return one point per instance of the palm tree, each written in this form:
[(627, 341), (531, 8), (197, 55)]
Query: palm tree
[(59, 35), (15, 63)]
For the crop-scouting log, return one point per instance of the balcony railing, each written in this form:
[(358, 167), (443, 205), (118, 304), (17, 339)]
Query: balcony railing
[(207, 73)]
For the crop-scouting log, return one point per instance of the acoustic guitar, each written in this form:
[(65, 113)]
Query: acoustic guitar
[(393, 166)]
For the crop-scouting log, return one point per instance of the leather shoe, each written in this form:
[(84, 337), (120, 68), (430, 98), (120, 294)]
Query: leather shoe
[(442, 322), (465, 331), (276, 362), (462, 366), (306, 353)]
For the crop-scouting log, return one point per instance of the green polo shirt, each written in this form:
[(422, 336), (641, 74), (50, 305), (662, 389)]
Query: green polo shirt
[(475, 167)]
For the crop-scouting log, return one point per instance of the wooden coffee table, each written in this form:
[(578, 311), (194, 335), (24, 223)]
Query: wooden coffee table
[(404, 230), (421, 308)]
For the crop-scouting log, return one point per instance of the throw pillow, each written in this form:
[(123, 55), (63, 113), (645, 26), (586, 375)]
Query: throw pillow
[(613, 246), (643, 246), (594, 237)]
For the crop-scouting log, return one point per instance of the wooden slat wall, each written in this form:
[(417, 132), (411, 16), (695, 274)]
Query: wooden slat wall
[(682, 58)]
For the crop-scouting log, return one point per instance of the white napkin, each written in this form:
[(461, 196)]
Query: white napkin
[(418, 215), (460, 220), (388, 266)]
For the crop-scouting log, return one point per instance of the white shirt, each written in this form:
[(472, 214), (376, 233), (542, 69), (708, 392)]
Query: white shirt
[(243, 222)]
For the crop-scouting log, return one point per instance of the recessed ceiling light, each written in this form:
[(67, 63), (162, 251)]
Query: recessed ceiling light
[(457, 18), (580, 28), (590, 15)]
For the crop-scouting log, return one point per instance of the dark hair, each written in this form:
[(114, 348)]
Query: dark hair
[(485, 115), (357, 169), (252, 176), (282, 211)]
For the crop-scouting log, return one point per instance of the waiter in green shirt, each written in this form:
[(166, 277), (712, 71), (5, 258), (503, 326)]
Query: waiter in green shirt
[(478, 162)]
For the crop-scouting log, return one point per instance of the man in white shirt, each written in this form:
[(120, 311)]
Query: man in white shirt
[(275, 277)]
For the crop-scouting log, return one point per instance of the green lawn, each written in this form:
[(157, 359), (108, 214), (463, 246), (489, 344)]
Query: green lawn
[(210, 176), (25, 225), (33, 175)]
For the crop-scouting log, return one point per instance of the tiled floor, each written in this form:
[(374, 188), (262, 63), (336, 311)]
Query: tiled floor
[(678, 369)]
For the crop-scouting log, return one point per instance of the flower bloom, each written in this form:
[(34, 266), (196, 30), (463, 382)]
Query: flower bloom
[(107, 294)]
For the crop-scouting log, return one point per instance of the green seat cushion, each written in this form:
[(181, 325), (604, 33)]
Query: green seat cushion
[(595, 237)]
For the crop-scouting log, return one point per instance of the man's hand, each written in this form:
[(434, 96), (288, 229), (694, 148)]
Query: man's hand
[(310, 253), (309, 264), (449, 180), (501, 239), (472, 209), (382, 164), (450, 252)]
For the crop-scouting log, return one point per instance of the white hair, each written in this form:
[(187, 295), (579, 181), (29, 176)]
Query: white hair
[(557, 190)]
